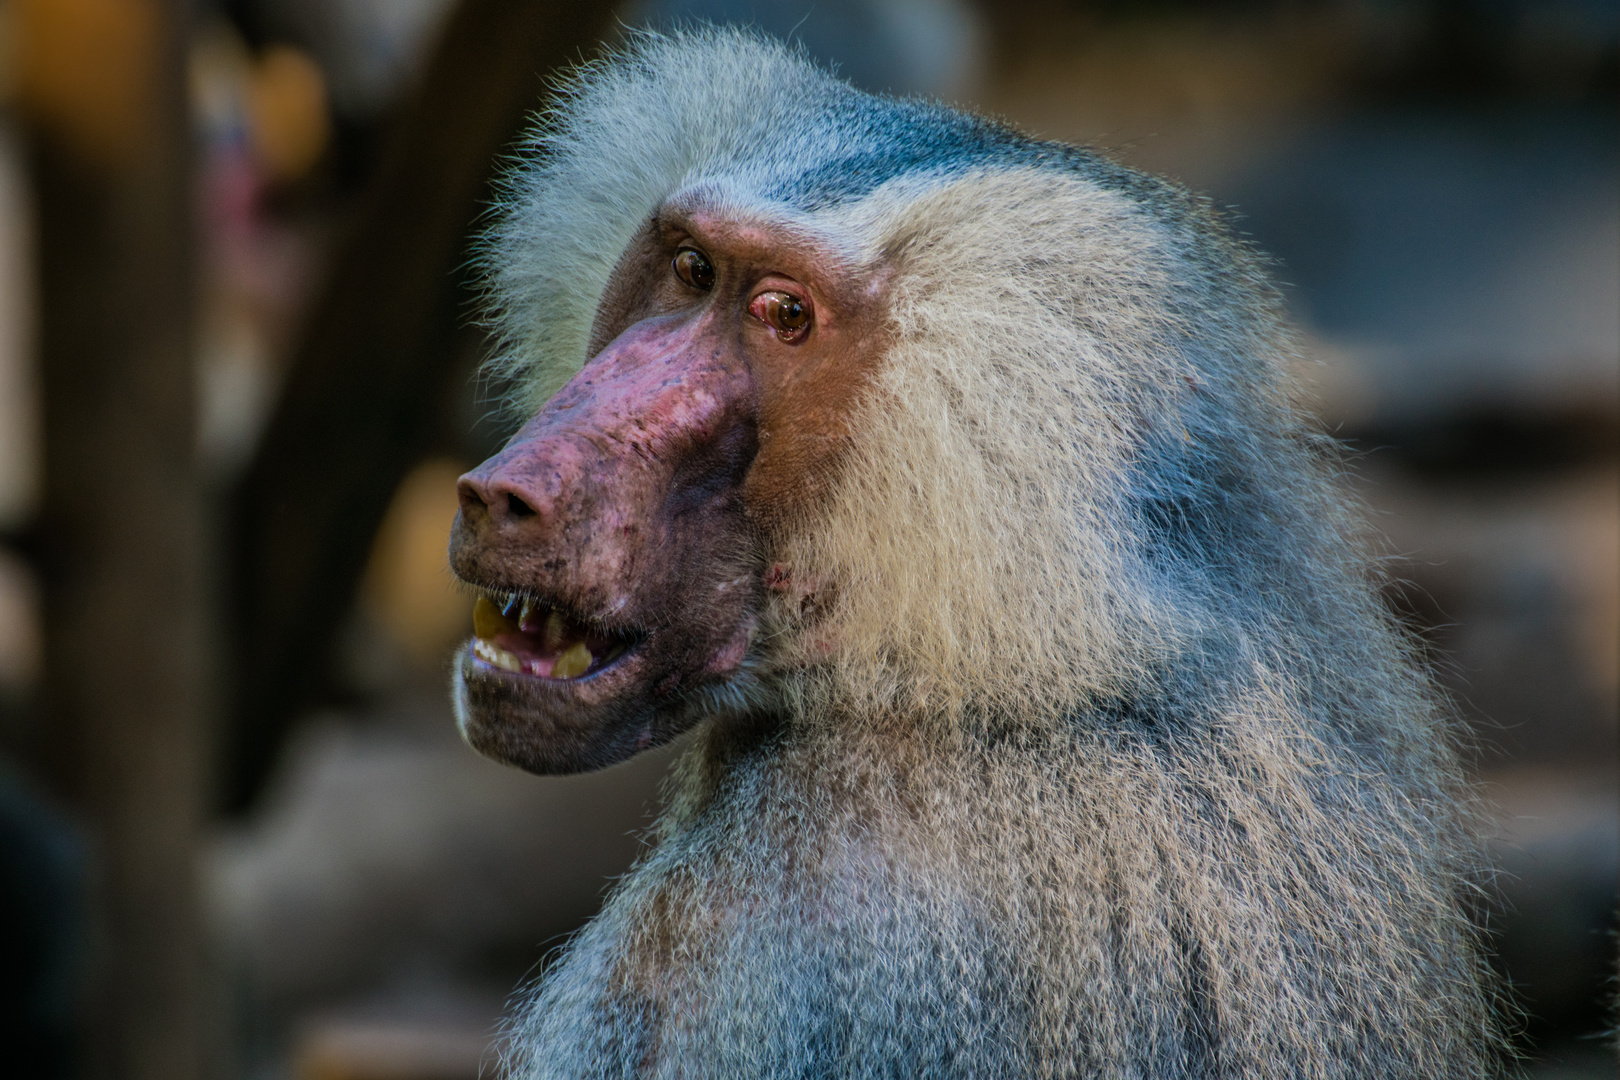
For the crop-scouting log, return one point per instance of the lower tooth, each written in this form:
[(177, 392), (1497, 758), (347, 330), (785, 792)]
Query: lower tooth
[(494, 654), (573, 663)]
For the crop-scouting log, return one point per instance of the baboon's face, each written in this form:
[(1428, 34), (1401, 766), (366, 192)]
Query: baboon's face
[(621, 542)]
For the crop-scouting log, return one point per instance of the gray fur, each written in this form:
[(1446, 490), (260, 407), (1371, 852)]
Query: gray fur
[(1116, 767)]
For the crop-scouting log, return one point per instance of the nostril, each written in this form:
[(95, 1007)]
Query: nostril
[(517, 507), (471, 498)]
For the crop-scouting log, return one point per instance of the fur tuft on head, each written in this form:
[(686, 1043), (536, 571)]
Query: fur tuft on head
[(623, 134)]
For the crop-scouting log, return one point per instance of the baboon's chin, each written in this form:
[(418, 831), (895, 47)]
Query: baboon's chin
[(550, 725)]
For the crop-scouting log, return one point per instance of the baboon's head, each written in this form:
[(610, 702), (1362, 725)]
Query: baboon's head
[(837, 400)]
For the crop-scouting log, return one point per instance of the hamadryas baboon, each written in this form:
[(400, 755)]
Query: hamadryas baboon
[(946, 484)]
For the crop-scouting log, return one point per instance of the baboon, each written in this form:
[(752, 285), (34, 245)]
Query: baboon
[(947, 486)]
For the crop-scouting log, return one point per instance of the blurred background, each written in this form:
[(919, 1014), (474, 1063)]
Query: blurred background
[(239, 836)]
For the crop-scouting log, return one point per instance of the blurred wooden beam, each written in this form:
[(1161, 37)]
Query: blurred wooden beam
[(103, 84), (383, 340)]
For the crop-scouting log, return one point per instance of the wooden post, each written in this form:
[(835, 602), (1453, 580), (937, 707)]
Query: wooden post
[(103, 83), (385, 336)]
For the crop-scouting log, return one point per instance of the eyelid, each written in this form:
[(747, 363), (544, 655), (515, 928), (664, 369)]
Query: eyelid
[(759, 306)]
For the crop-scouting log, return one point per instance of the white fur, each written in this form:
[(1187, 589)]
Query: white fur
[(1115, 766)]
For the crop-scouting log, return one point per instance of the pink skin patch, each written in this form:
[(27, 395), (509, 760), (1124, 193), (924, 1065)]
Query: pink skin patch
[(799, 589), (731, 654), (800, 592)]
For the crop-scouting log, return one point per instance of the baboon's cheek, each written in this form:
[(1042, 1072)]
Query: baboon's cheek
[(808, 413)]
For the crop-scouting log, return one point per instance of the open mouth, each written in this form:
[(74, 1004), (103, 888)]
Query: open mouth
[(530, 637)]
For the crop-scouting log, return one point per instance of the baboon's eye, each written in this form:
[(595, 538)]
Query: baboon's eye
[(694, 268), (783, 312)]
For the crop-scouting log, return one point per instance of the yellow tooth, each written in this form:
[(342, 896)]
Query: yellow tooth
[(554, 633), (494, 654), (525, 611), (488, 620), (573, 663)]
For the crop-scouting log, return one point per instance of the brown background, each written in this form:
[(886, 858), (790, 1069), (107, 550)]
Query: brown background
[(238, 835)]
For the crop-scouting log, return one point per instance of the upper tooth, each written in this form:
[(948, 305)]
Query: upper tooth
[(556, 630), (488, 620)]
